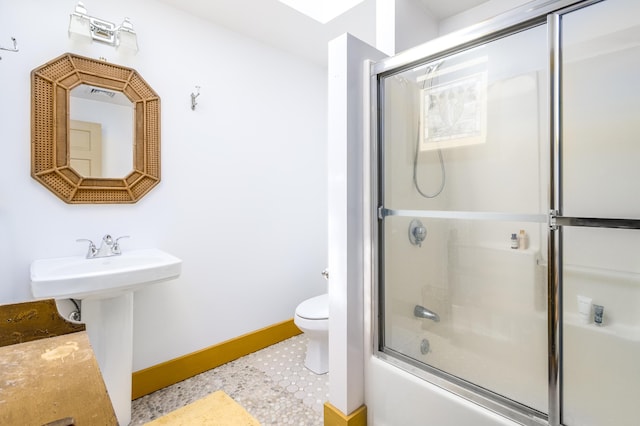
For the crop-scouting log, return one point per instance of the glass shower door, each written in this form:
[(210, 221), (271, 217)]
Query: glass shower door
[(599, 213), (463, 219)]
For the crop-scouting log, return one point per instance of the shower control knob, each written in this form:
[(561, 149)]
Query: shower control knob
[(417, 232), (325, 274)]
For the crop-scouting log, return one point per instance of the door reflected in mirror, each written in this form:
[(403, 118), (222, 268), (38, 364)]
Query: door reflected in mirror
[(101, 138)]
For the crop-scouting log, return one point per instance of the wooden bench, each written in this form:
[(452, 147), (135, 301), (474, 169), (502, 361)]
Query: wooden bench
[(48, 371)]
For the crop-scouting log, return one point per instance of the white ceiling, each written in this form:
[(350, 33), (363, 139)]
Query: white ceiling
[(445, 8), (278, 25)]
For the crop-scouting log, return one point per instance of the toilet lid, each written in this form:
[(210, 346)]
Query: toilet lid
[(316, 308)]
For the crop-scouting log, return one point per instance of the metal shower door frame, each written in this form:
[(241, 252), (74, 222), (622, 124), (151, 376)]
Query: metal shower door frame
[(540, 12)]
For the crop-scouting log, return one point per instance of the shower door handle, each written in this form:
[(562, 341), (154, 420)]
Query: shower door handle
[(325, 274)]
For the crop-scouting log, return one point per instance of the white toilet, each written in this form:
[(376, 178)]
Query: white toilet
[(312, 317)]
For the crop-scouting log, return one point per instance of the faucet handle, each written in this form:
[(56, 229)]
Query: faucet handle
[(92, 247), (115, 248)]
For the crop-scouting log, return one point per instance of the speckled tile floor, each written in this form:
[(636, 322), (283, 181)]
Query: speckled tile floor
[(272, 385)]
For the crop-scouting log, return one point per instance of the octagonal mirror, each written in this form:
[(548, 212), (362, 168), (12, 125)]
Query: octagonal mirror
[(95, 131)]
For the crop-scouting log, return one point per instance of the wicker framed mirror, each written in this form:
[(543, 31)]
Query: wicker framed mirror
[(51, 85)]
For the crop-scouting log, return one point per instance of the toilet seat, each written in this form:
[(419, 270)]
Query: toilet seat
[(316, 308)]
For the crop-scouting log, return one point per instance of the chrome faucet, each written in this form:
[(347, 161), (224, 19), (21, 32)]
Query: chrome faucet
[(108, 247), (422, 312)]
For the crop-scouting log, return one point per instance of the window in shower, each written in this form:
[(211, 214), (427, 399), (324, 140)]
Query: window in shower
[(465, 153), (453, 104)]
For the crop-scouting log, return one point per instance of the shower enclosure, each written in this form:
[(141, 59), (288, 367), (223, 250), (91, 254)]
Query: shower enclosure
[(507, 191)]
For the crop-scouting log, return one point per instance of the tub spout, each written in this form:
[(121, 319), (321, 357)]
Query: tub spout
[(422, 312)]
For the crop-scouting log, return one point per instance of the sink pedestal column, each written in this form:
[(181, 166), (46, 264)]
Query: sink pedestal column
[(110, 328)]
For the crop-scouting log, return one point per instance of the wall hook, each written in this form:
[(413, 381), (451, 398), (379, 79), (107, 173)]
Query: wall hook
[(193, 98), (15, 46)]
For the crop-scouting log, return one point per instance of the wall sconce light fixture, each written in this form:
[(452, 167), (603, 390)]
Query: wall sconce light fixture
[(81, 24)]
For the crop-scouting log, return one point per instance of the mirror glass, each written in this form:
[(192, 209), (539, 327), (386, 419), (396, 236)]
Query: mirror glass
[(100, 132)]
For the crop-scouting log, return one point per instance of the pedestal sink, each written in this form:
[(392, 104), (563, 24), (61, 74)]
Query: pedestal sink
[(106, 285)]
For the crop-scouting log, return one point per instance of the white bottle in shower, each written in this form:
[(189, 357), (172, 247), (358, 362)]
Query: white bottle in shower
[(584, 309), (523, 240)]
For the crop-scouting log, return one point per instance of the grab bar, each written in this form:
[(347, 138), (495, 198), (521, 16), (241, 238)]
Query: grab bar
[(422, 312)]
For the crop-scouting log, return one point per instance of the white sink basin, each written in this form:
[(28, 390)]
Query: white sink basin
[(80, 278)]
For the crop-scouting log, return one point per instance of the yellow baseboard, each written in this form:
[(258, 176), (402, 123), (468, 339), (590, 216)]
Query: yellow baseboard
[(335, 417), (176, 370)]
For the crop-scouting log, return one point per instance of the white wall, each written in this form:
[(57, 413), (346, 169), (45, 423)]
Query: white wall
[(402, 24), (243, 193), (348, 133), (484, 11), (414, 24)]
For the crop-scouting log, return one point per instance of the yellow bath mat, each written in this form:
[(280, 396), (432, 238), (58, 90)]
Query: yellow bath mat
[(217, 409)]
